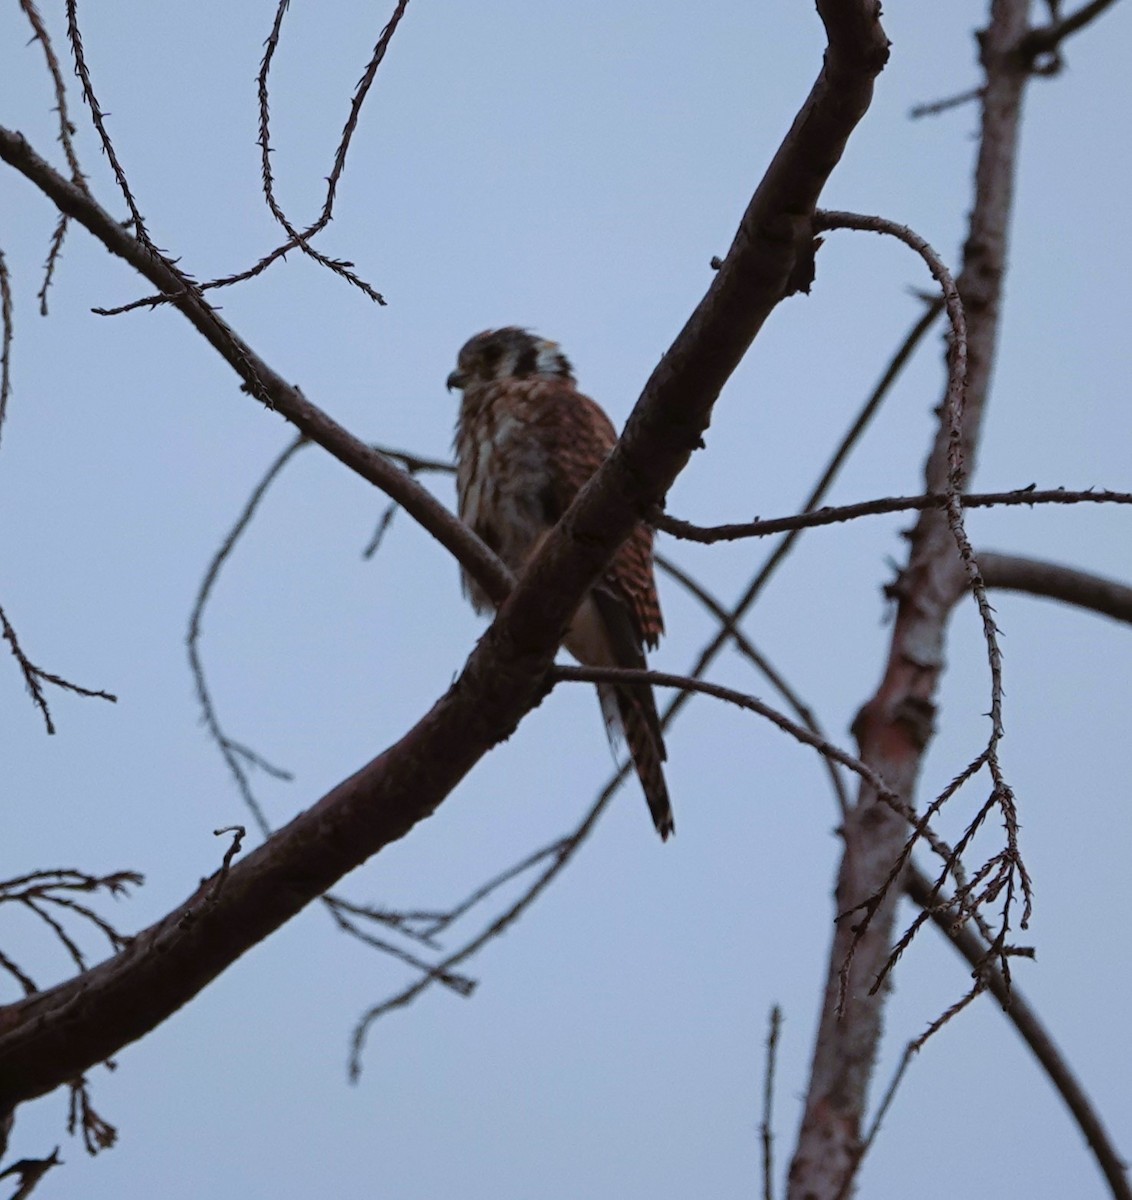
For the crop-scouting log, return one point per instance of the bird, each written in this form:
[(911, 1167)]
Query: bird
[(526, 442)]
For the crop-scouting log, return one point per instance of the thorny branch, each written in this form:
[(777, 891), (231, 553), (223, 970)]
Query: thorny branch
[(297, 239), (894, 727), (1019, 497)]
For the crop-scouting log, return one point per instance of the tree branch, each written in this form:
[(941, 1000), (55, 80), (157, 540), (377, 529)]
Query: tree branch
[(708, 534), (258, 378), (1016, 1009), (894, 727), (1012, 572), (50, 1038)]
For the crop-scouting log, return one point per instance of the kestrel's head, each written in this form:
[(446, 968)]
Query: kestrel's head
[(508, 353)]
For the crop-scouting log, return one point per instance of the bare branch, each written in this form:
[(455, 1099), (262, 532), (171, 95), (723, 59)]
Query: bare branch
[(5, 339), (506, 673), (297, 239), (97, 116), (766, 1126), (258, 378), (35, 676), (935, 107), (1021, 497), (30, 1172), (1018, 1011), (97, 1133), (66, 138), (894, 727), (1012, 572), (1045, 40)]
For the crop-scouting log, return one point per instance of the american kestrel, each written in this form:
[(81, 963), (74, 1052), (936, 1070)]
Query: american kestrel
[(526, 442)]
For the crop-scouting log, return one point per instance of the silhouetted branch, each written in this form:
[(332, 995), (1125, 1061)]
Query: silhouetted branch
[(505, 675), (1020, 497), (97, 1133), (895, 725), (35, 676), (935, 107), (1013, 572), (258, 378), (30, 1171), (1018, 1011), (98, 117), (297, 239), (766, 1126), (5, 339), (1046, 39)]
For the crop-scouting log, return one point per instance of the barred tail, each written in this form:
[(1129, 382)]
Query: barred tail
[(633, 708)]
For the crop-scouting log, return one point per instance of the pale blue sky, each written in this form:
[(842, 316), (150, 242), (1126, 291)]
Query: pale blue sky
[(572, 168)]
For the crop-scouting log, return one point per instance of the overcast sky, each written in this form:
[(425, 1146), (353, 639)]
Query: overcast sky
[(572, 168)]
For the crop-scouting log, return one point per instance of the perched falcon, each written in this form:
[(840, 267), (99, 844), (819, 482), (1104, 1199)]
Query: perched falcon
[(526, 442)]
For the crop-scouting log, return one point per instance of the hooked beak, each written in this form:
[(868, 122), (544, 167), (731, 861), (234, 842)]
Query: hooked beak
[(456, 380)]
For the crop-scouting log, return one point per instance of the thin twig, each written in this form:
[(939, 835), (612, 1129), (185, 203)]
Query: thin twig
[(66, 139), (762, 664), (570, 846), (34, 676), (1046, 39), (5, 339), (935, 107), (767, 1124), (297, 239), (97, 116), (231, 752), (1018, 1011)]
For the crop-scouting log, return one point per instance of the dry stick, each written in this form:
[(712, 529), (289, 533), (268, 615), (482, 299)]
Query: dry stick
[(30, 1172), (1013, 572), (5, 339), (231, 756), (565, 674), (297, 239), (935, 107), (505, 675), (1019, 497), (33, 675), (767, 1124), (953, 415), (501, 923), (1047, 38), (97, 115), (66, 137)]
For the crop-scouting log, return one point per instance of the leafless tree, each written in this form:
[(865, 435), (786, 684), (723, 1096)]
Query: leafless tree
[(50, 1038)]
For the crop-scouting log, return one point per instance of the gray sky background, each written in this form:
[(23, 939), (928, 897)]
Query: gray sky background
[(572, 168)]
